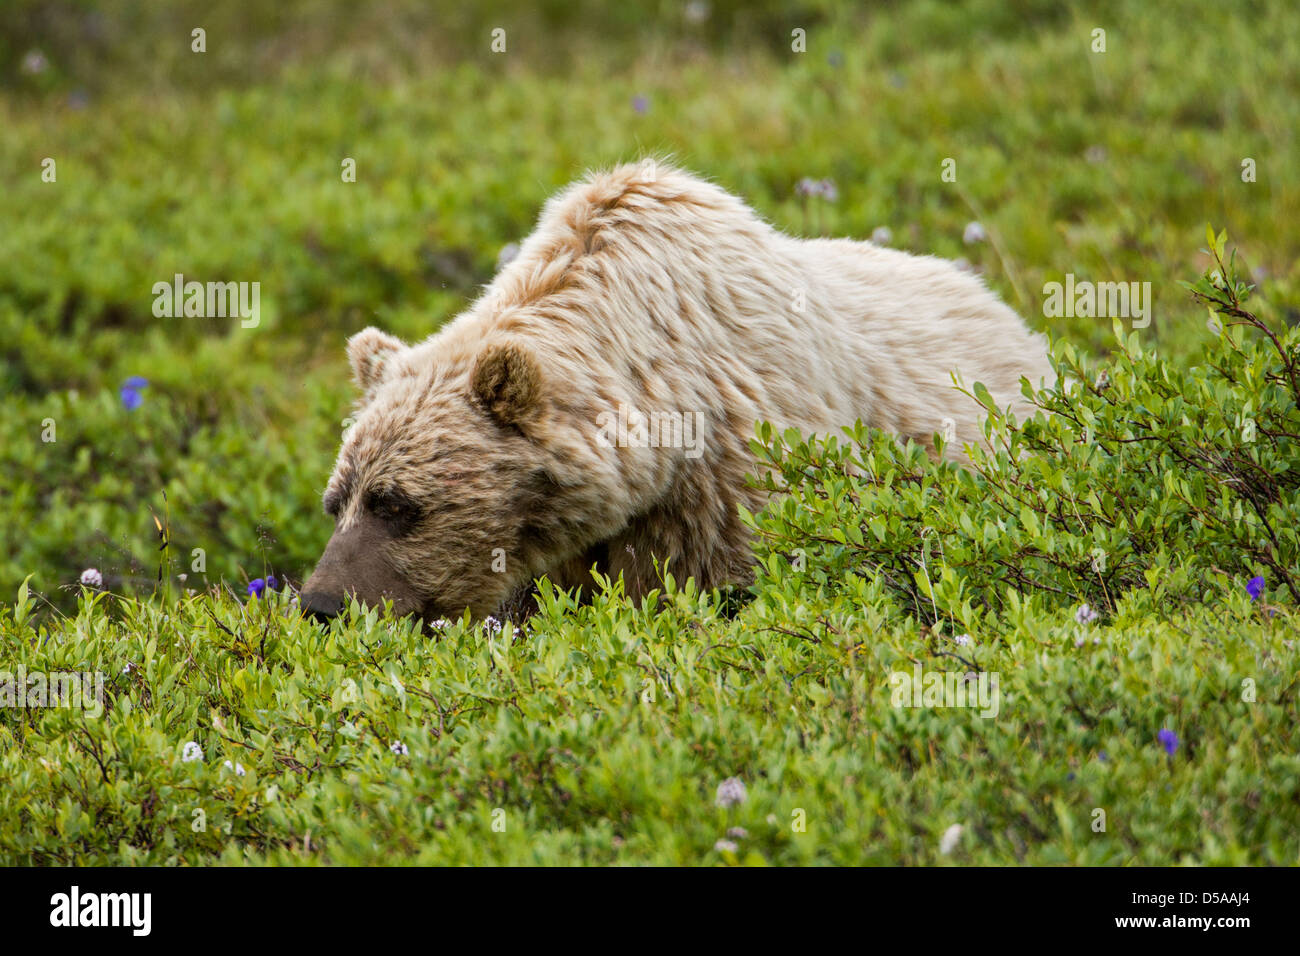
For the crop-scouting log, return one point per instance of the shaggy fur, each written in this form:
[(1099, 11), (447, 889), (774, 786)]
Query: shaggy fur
[(660, 292)]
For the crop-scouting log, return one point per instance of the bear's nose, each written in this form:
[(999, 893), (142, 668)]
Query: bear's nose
[(320, 607)]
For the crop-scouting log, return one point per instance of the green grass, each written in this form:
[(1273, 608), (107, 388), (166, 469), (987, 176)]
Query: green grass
[(1107, 166), (556, 734)]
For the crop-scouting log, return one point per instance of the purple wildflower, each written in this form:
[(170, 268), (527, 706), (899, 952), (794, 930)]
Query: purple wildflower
[(272, 582), (640, 104), (1169, 740), (731, 792), (256, 587), (825, 188), (1255, 587), (131, 397), (35, 63)]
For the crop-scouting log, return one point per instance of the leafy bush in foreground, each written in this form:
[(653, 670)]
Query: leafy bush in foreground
[(1144, 478), (603, 732)]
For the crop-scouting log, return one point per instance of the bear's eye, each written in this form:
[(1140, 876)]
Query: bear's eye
[(395, 509)]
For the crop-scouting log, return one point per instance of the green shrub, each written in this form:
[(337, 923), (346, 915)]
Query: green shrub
[(1144, 476)]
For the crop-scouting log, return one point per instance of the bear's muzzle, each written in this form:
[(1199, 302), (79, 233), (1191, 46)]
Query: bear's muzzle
[(355, 564)]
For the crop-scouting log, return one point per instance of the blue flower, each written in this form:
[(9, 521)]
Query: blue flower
[(1169, 740), (1255, 587), (131, 397), (272, 583), (640, 104), (256, 587)]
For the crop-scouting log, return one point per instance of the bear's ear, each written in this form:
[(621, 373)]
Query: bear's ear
[(369, 352), (508, 382)]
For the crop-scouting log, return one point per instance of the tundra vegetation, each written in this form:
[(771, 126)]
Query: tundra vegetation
[(1120, 570)]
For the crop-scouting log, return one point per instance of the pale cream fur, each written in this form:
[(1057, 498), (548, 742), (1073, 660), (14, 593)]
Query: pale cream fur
[(651, 287)]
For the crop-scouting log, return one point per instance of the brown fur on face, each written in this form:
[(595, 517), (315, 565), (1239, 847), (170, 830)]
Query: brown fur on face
[(356, 562), (442, 500), (476, 462)]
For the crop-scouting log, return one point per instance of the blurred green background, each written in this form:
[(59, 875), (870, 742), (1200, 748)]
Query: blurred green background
[(225, 166)]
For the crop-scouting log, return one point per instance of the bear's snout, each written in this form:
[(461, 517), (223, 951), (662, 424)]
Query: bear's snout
[(355, 564), (320, 607)]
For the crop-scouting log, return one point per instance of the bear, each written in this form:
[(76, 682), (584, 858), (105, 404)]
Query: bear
[(594, 407)]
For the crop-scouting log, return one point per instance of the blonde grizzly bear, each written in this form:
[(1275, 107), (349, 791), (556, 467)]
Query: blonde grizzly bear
[(487, 455)]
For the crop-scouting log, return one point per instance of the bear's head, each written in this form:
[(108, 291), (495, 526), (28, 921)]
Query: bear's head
[(458, 481)]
